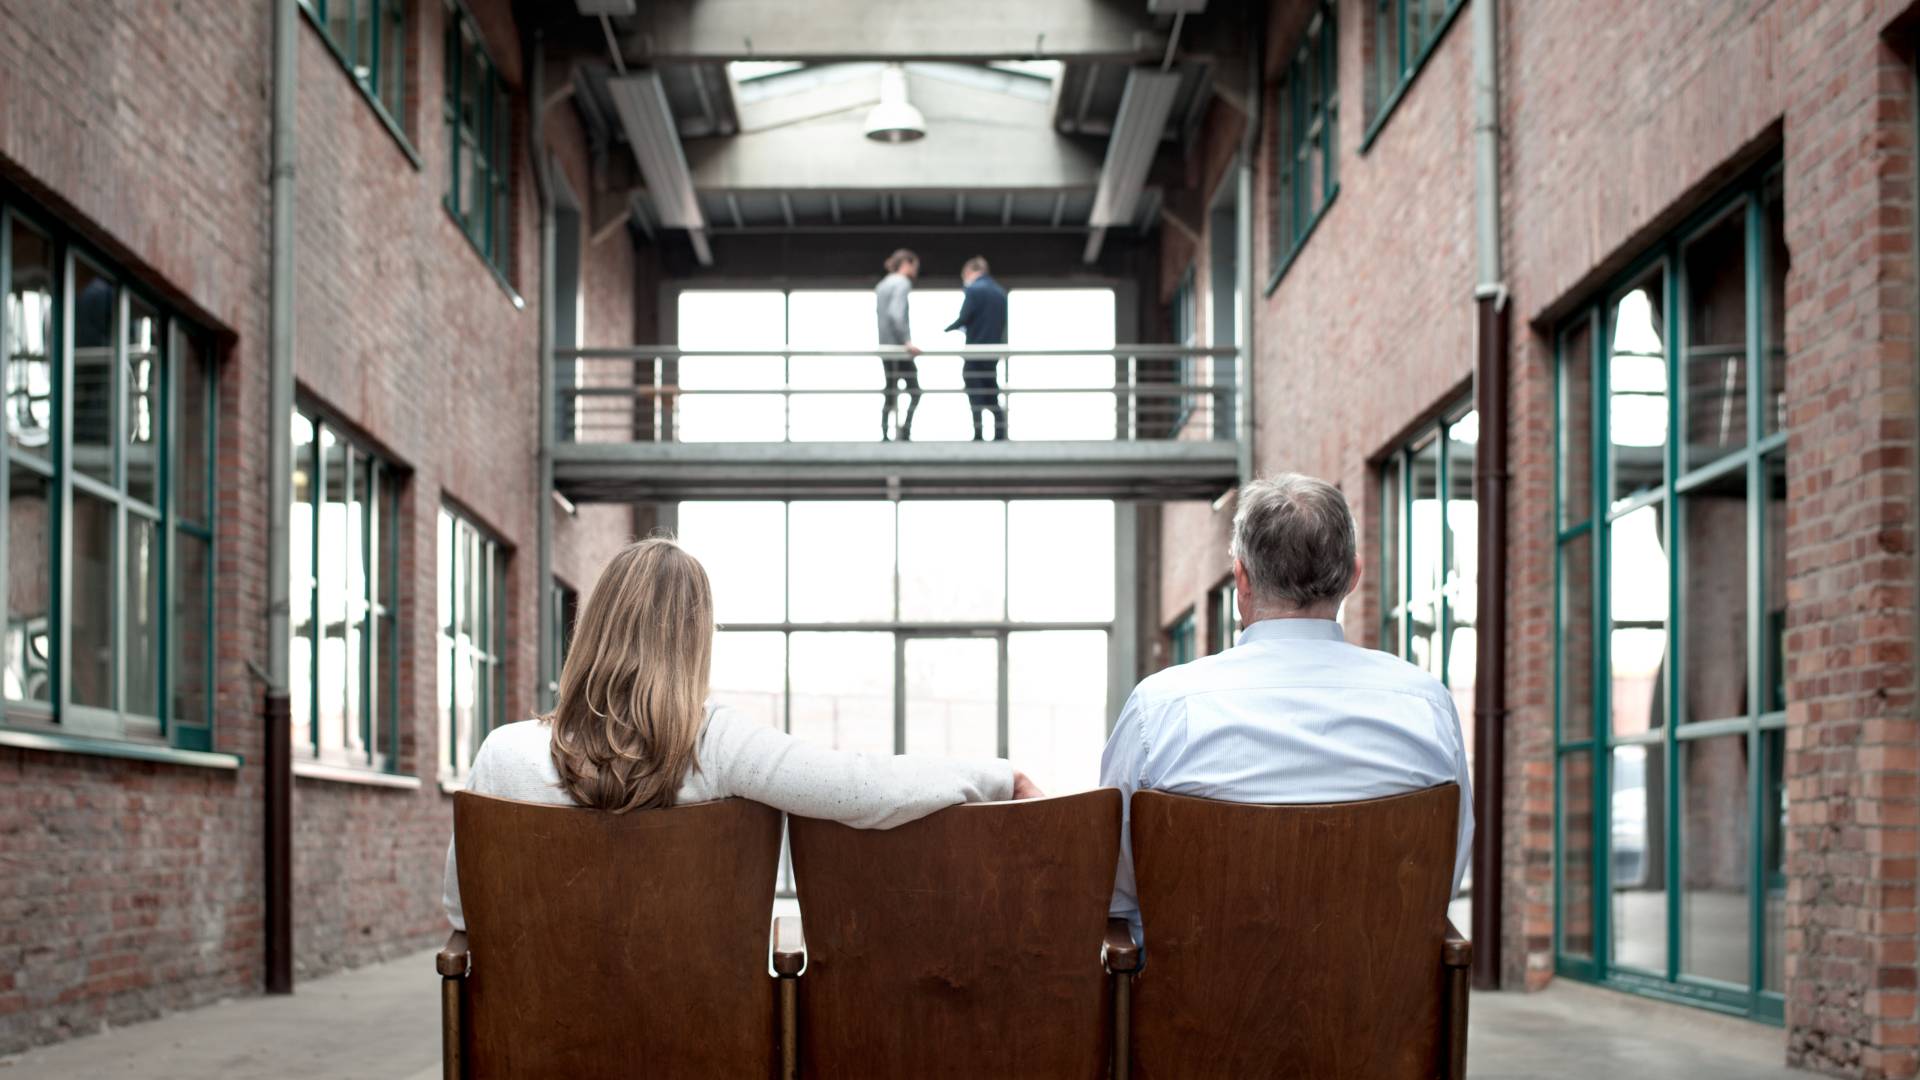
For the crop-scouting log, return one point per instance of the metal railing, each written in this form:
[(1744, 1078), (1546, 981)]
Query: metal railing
[(665, 394)]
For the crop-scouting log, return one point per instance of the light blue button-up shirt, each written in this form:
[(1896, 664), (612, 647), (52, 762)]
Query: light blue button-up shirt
[(1291, 714)]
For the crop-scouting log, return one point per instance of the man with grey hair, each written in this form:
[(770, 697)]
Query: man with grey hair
[(1292, 713)]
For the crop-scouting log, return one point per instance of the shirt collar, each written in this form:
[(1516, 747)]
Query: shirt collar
[(1292, 630)]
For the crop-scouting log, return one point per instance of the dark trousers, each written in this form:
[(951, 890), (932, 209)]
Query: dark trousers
[(896, 373), (983, 394)]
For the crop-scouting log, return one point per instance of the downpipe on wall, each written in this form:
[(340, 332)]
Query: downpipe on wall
[(536, 132), (276, 711)]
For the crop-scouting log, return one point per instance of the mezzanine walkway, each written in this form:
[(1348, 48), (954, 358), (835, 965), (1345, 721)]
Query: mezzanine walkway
[(382, 1023), (655, 422)]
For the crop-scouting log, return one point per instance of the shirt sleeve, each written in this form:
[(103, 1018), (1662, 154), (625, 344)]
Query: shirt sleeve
[(866, 791), (1122, 765), (969, 307), (1463, 772), (477, 782)]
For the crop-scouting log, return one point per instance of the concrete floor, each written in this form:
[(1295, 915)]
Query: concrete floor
[(382, 1023)]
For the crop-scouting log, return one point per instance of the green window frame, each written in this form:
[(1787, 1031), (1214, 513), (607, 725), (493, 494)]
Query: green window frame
[(1225, 603), (1183, 639), (1428, 545), (479, 115), (106, 520), (369, 39), (1670, 615), (1405, 33), (345, 648), (561, 615), (472, 627), (1306, 125)]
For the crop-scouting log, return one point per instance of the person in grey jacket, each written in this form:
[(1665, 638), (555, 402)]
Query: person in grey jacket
[(890, 304)]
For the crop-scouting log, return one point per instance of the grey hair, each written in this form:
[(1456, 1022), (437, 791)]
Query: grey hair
[(1295, 535)]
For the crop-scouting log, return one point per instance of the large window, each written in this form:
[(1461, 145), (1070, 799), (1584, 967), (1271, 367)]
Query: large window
[(1182, 643), (345, 654), (1306, 113), (1670, 612), (108, 507), (1223, 610), (977, 629), (472, 617), (1429, 562), (370, 38), (1404, 35), (479, 114)]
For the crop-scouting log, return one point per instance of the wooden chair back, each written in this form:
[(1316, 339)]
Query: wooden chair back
[(964, 944), (617, 944), (1293, 941)]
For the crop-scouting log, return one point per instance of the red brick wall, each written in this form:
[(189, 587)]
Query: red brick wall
[(1619, 119), (132, 888)]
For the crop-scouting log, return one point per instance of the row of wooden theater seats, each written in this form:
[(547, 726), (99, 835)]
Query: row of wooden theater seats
[(1305, 941)]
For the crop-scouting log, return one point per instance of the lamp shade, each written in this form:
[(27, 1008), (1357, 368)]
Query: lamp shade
[(894, 120)]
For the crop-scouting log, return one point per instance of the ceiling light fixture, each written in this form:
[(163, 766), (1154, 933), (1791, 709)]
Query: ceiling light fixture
[(895, 120)]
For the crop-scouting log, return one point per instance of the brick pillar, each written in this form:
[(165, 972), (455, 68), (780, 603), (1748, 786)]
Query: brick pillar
[(1851, 747)]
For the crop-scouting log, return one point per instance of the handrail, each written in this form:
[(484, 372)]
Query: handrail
[(669, 352)]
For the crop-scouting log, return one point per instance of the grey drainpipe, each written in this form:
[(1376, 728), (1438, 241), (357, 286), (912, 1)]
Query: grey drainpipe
[(536, 130), (1243, 243), (1490, 476), (277, 712)]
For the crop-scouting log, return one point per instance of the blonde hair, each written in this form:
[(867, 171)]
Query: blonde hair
[(634, 689)]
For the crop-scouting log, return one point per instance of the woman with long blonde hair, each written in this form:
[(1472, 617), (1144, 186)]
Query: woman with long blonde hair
[(634, 730)]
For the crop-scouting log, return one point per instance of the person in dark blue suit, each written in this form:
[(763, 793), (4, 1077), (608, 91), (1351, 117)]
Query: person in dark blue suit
[(983, 315)]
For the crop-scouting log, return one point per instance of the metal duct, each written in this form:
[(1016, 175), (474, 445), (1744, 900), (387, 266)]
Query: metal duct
[(1137, 127), (641, 101)]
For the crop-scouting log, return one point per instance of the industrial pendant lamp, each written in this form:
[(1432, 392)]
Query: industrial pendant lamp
[(895, 120)]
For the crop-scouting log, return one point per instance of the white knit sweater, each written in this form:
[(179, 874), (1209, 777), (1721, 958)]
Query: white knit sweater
[(737, 757)]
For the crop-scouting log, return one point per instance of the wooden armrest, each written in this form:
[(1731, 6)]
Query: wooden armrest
[(1121, 954), (1456, 951), (789, 946), (453, 962)]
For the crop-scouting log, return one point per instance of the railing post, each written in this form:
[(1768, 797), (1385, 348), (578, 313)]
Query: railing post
[(1133, 398)]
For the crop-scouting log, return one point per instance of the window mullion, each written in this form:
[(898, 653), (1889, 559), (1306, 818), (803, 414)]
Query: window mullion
[(1676, 564)]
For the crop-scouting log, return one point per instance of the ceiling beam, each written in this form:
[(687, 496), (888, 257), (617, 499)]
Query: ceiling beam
[(835, 30)]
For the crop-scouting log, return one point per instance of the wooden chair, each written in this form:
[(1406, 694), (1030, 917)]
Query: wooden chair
[(963, 944), (611, 944), (1303, 941)]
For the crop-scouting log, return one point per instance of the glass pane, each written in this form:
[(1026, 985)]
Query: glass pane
[(1576, 638), (28, 343), (1773, 402), (443, 656), (92, 615), (1576, 853), (1713, 598), (1462, 564), (1638, 643), (30, 581), (359, 611), (711, 405), (143, 399), (953, 697), (953, 561), (340, 25), (1639, 858), (142, 616), (193, 443), (363, 39), (191, 632), (742, 545), (335, 552), (1576, 424), (393, 59), (1057, 707), (1386, 52), (1424, 525), (1773, 867), (1061, 561), (93, 412), (1716, 326), (1058, 319), (1637, 412), (842, 685), (1715, 834), (750, 674), (1773, 585), (838, 319), (1391, 541), (841, 563), (300, 567)]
